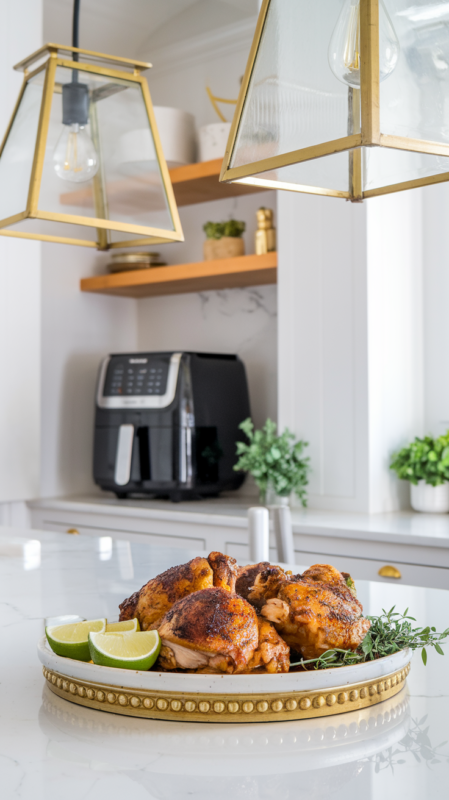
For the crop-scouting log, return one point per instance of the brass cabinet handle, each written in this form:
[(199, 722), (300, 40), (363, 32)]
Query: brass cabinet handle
[(73, 531), (389, 572)]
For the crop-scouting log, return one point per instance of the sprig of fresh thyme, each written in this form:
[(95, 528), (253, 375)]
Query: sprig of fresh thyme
[(389, 633)]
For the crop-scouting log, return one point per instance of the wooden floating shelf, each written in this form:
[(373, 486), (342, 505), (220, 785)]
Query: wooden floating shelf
[(223, 273), (198, 183), (193, 183)]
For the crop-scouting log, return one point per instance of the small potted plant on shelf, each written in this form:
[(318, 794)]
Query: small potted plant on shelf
[(224, 239), (276, 462), (425, 464)]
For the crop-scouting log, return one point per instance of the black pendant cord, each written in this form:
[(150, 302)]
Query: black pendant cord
[(75, 95), (75, 35)]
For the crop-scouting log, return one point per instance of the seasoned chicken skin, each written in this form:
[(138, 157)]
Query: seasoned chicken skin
[(158, 595), (224, 569), (314, 615), (211, 629), (273, 654), (266, 585), (325, 573), (246, 577)]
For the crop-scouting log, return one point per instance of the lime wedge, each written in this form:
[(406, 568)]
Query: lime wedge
[(122, 627), (71, 641), (130, 650)]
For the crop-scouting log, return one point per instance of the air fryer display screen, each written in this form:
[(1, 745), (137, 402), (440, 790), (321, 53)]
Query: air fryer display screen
[(136, 375)]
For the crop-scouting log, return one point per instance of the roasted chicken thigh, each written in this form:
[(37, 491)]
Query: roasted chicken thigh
[(207, 611), (158, 595), (266, 584), (314, 615), (272, 653), (211, 629), (224, 570), (246, 577)]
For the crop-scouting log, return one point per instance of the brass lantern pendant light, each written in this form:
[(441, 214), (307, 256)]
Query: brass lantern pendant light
[(347, 98), (81, 161)]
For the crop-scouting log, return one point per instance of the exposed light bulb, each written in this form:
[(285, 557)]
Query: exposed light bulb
[(75, 158), (344, 47)]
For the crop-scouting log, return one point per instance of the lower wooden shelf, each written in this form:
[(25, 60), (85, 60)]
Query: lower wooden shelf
[(224, 273)]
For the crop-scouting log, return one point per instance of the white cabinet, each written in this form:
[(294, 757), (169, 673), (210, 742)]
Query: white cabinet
[(172, 529), (218, 525)]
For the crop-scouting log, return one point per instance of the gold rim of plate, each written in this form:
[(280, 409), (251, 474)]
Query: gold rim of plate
[(207, 707)]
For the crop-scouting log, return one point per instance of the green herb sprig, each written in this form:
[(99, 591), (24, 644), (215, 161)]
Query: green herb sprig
[(389, 633)]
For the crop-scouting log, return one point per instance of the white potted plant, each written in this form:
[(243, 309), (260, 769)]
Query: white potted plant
[(425, 464), (276, 462)]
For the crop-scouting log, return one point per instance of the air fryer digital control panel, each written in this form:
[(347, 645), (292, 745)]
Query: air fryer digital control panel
[(140, 380), (136, 376)]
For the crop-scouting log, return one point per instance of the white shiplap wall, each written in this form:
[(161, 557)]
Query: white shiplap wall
[(350, 358), (20, 263)]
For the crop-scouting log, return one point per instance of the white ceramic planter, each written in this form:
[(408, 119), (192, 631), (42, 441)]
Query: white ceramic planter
[(274, 499), (430, 499)]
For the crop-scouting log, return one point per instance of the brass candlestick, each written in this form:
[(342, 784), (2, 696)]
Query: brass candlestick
[(265, 238)]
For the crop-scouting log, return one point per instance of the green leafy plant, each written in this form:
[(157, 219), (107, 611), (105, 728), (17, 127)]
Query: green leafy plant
[(216, 230), (423, 460), (389, 633), (274, 459)]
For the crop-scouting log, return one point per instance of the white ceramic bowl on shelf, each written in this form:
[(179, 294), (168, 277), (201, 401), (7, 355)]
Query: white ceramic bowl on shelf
[(212, 140), (135, 151)]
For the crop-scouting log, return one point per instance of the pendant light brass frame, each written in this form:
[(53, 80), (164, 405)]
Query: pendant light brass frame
[(369, 136), (53, 58)]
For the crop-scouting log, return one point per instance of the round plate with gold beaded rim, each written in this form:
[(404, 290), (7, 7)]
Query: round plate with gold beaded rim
[(225, 698)]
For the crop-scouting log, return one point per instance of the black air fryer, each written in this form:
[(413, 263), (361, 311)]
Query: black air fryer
[(166, 424)]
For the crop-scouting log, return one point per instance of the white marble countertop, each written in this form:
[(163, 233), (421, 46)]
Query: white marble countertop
[(51, 749), (427, 530)]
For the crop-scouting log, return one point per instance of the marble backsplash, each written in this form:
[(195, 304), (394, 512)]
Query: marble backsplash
[(242, 321)]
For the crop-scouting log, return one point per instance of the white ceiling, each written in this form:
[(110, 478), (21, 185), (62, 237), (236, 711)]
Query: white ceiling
[(132, 27)]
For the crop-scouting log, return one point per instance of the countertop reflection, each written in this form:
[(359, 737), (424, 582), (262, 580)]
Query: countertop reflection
[(51, 749)]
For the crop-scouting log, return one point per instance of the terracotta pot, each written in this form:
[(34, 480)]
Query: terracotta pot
[(226, 247)]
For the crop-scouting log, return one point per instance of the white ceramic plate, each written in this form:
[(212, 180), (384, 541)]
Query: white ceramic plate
[(314, 681)]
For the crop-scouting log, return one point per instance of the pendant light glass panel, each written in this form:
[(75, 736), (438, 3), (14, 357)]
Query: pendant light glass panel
[(102, 183), (293, 99), (17, 157), (414, 99), (127, 187), (385, 167), (299, 124), (328, 173)]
